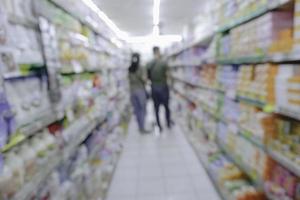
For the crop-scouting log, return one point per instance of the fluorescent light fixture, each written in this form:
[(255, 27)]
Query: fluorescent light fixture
[(156, 12), (117, 42), (105, 18), (154, 39), (156, 31)]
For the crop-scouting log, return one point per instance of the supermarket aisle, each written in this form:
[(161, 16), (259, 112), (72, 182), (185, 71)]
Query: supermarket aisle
[(159, 168)]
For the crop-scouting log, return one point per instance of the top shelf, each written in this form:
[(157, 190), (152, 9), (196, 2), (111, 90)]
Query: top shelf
[(24, 21), (202, 41), (270, 6), (235, 23), (68, 10)]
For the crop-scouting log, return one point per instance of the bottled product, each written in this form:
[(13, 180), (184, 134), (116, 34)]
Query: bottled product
[(30, 161), (7, 184), (12, 176)]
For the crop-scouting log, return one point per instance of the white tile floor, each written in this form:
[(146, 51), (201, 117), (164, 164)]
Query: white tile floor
[(160, 168)]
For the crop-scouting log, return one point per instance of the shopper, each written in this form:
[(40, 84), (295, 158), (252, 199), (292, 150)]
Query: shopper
[(137, 81), (157, 74)]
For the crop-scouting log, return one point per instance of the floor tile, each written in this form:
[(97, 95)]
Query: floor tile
[(151, 197), (159, 168), (126, 188), (121, 198), (175, 170), (154, 187), (178, 185)]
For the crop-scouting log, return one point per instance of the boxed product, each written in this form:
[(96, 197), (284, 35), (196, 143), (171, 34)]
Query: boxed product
[(232, 179), (287, 139), (257, 82), (270, 33), (288, 88), (296, 31), (282, 184)]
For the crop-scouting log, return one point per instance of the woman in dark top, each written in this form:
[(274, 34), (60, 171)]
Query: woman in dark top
[(137, 82)]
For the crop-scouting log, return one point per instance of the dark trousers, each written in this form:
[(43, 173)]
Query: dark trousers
[(139, 100), (161, 96)]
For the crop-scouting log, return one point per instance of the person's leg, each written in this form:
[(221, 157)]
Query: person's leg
[(166, 100), (136, 108), (155, 97), (142, 108)]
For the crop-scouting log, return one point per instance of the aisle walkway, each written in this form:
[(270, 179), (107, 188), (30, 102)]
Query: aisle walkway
[(159, 168)]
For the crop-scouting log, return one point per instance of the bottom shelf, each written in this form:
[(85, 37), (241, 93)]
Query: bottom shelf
[(222, 193), (228, 179)]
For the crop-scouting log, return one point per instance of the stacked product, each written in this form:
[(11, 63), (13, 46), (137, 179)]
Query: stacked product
[(256, 123), (7, 122), (230, 111), (21, 42), (227, 79), (191, 57), (282, 184), (83, 175), (287, 138), (79, 94), (232, 180), (271, 33), (208, 75), (24, 163), (224, 50), (208, 100), (287, 88), (231, 11), (243, 151), (42, 133), (257, 82), (293, 94), (28, 97), (190, 75), (296, 26)]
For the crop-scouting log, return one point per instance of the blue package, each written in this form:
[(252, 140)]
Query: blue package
[(1, 163), (3, 125)]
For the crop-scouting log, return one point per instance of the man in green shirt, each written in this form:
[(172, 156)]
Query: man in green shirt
[(157, 74)]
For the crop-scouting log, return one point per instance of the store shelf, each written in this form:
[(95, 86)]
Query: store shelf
[(24, 21), (251, 138), (288, 113), (84, 130), (201, 41), (275, 58), (196, 85), (268, 108), (36, 181), (199, 154), (284, 161), (112, 172), (77, 39), (17, 75), (183, 95), (256, 14), (257, 181), (72, 73), (26, 131), (83, 20)]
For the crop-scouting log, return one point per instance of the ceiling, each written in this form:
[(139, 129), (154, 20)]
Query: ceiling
[(135, 16)]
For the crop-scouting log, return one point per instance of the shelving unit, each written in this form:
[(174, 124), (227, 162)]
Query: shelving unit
[(209, 86), (60, 121)]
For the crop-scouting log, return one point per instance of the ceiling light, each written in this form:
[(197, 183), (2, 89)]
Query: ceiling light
[(154, 39), (117, 42), (156, 12), (156, 30), (105, 18)]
